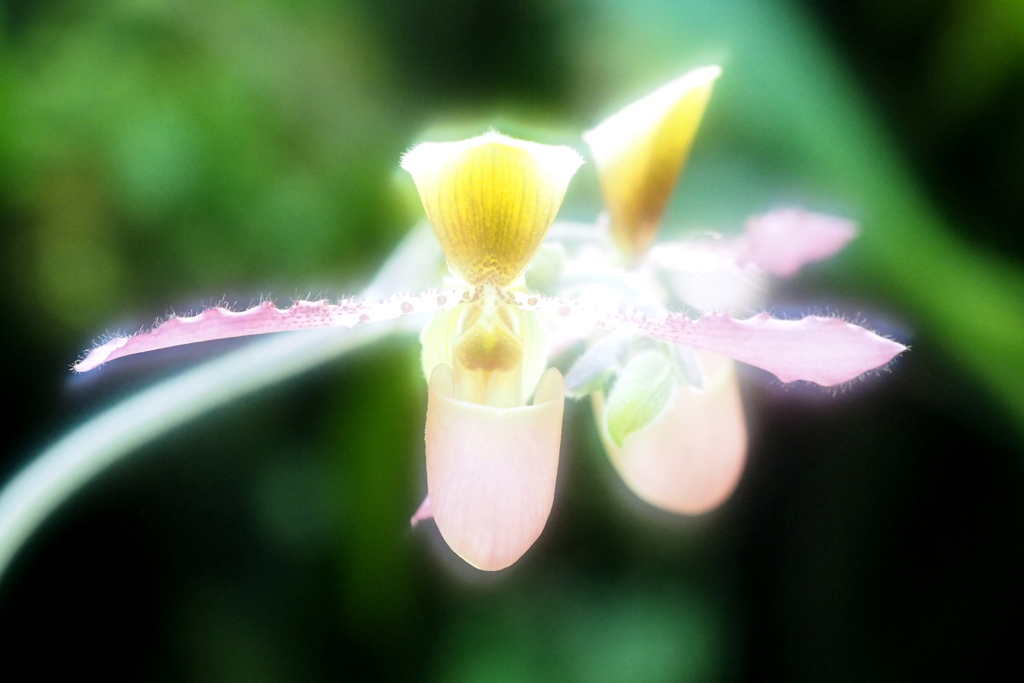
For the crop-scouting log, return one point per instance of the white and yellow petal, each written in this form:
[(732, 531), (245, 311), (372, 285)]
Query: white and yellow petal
[(491, 200), (640, 150)]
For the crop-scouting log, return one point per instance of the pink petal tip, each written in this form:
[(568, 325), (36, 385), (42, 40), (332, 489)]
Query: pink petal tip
[(423, 513), (782, 242)]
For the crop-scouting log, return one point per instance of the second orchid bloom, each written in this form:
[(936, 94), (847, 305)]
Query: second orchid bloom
[(662, 383)]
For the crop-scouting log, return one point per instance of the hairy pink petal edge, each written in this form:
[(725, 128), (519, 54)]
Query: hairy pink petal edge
[(491, 471), (783, 241), (827, 351), (690, 458), (223, 323)]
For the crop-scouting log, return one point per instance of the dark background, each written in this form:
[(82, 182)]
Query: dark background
[(157, 155)]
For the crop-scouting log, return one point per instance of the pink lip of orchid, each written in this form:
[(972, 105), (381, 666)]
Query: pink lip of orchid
[(494, 410)]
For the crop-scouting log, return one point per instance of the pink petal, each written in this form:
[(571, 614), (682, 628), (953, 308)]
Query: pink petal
[(423, 512), (828, 351), (491, 471), (690, 458), (706, 275), (223, 323), (783, 241)]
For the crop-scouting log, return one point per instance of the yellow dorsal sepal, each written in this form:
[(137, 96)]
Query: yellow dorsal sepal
[(640, 150), (491, 200)]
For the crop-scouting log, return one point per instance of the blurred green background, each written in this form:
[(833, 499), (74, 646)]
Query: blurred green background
[(158, 154)]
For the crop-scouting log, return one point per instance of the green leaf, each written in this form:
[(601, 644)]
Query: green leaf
[(640, 395)]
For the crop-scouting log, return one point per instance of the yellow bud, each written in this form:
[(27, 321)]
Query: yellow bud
[(640, 150), (491, 200)]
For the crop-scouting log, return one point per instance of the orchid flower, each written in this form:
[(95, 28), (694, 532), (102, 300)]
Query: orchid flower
[(491, 451), (671, 418)]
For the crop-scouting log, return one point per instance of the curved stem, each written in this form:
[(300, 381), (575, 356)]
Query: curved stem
[(46, 482)]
